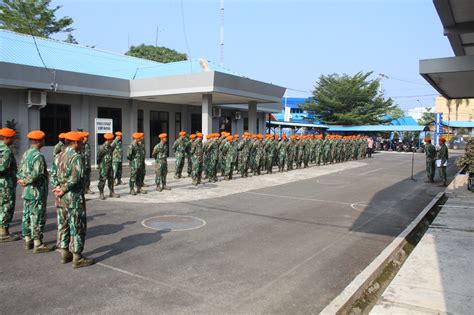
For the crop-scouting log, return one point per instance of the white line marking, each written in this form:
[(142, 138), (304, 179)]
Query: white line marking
[(299, 198), (372, 171), (175, 230)]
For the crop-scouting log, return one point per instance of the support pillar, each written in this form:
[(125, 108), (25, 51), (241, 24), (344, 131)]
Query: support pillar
[(252, 116), (206, 114)]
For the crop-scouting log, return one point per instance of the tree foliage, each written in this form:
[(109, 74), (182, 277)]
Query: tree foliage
[(349, 100), (396, 113), (33, 17), (160, 54), (427, 118)]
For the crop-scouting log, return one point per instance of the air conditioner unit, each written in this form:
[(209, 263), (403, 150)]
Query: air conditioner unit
[(36, 98), (238, 115), (216, 112)]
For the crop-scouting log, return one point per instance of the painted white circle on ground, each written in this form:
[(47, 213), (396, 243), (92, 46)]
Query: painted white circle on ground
[(359, 206), (173, 223)]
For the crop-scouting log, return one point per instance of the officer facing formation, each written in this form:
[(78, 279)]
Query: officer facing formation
[(104, 159), (33, 177), (430, 152), (8, 182)]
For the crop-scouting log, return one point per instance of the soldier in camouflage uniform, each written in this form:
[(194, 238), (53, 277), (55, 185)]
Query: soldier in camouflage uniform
[(142, 169), (161, 164), (244, 154), (299, 152), (189, 156), (117, 158), (33, 177), (317, 150), (269, 150), (282, 152), (86, 159), (443, 156), (197, 158), (290, 153), (430, 152), (259, 149), (179, 148), (229, 153), (67, 178), (211, 153), (8, 181), (306, 151), (60, 145), (104, 158), (135, 157)]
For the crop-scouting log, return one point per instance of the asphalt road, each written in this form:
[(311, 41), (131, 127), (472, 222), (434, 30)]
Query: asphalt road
[(286, 248)]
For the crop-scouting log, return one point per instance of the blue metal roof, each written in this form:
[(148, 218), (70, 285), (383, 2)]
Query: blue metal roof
[(375, 128), (294, 102), (404, 121), (459, 124), (20, 49)]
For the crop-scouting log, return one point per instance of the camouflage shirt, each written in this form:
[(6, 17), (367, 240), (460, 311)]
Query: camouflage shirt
[(159, 151), (70, 176), (118, 151), (8, 167), (33, 171), (135, 155)]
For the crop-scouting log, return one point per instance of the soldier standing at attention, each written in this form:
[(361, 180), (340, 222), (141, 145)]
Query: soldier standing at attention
[(430, 152), (142, 172), (197, 158), (443, 156), (229, 153), (33, 177), (104, 158), (60, 145), (189, 156), (86, 157), (161, 164), (212, 156), (281, 150), (8, 169), (290, 152), (179, 148), (244, 153), (69, 190), (134, 158), (117, 158)]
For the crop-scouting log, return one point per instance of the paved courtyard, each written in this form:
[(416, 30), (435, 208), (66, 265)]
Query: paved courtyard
[(283, 243)]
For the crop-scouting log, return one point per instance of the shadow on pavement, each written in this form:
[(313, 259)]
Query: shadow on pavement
[(106, 229), (125, 244)]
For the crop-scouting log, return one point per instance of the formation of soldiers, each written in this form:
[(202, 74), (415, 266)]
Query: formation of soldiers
[(68, 181), (256, 153)]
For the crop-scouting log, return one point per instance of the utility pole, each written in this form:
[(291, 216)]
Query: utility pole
[(156, 34)]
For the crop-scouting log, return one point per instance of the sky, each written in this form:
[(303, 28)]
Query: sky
[(285, 42)]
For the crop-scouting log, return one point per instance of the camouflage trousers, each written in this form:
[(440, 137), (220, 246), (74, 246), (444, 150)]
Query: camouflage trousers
[(212, 169), (430, 168), (197, 170), (442, 173), (117, 170), (281, 162), (229, 168), (306, 157), (317, 157), (141, 175), (179, 164), (161, 170), (243, 166), (269, 163), (34, 218), (87, 178), (136, 175), (7, 206), (190, 165), (72, 226), (106, 174)]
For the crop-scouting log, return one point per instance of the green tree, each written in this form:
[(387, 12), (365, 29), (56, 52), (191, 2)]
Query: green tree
[(396, 113), (427, 118), (34, 17), (349, 100), (160, 54), (71, 39)]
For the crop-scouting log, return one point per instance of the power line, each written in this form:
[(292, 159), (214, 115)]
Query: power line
[(402, 80)]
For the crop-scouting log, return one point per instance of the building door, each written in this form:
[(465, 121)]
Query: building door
[(111, 113), (225, 124), (196, 123), (159, 123)]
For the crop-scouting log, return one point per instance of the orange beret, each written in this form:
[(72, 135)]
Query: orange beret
[(61, 135), (236, 136), (136, 135), (35, 135), (73, 136), (108, 136), (118, 133), (192, 136), (182, 133), (229, 138), (442, 140), (85, 134), (199, 135), (260, 136), (246, 133), (162, 135), (7, 132)]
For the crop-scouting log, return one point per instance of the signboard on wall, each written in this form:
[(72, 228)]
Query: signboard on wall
[(103, 125), (438, 126)]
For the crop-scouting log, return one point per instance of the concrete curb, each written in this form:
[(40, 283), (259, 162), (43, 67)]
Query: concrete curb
[(353, 291)]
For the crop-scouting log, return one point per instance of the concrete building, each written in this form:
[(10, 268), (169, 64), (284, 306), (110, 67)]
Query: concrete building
[(56, 86), (455, 109)]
